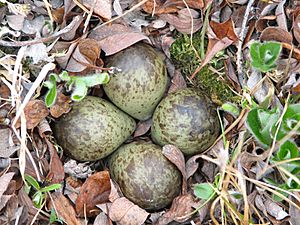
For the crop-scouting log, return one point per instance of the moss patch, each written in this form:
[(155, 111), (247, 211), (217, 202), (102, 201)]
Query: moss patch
[(185, 59)]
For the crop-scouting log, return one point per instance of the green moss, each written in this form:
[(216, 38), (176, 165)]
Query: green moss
[(187, 60)]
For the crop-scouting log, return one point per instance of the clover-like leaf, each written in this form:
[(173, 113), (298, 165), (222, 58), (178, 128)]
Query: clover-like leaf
[(204, 191)]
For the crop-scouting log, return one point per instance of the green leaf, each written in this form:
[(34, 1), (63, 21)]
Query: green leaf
[(52, 92), (204, 191), (32, 182), (287, 150), (64, 76), (95, 79), (264, 55), (231, 108), (38, 199), (51, 187), (260, 123), (80, 90)]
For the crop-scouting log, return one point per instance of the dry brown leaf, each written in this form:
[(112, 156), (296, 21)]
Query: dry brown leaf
[(95, 190), (142, 127), (181, 207), (102, 8), (223, 30), (296, 28), (178, 82), (35, 111), (102, 219), (4, 181), (58, 14), (182, 22), (281, 17), (262, 22), (7, 148), (66, 47), (61, 106), (4, 91), (275, 210), (72, 33), (56, 173), (116, 37), (125, 212), (85, 54), (217, 46), (64, 209), (276, 34), (170, 6), (192, 166), (173, 154)]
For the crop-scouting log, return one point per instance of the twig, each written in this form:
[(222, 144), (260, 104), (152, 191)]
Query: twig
[(42, 40), (240, 44)]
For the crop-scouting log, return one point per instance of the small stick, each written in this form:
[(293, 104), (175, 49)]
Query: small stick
[(240, 44)]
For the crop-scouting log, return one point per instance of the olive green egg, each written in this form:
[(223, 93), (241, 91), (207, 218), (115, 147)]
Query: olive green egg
[(144, 175), (187, 119), (141, 82), (93, 129)]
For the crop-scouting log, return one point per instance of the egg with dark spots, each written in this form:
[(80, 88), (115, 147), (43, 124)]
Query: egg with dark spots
[(93, 129), (187, 119), (145, 175), (141, 83)]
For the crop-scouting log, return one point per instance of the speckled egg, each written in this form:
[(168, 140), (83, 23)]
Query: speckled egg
[(144, 175), (141, 83), (187, 119), (93, 129)]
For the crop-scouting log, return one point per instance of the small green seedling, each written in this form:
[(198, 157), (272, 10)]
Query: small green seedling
[(39, 196), (54, 218), (78, 85), (264, 55)]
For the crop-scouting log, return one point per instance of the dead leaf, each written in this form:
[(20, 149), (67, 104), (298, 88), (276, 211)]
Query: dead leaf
[(62, 104), (178, 82), (296, 28), (294, 212), (16, 22), (263, 22), (280, 13), (35, 111), (72, 33), (78, 170), (56, 173), (3, 200), (102, 8), (173, 154), (276, 34), (95, 190), (224, 30), (170, 6), (182, 22), (102, 219), (181, 207), (66, 47), (4, 181), (142, 127), (275, 210), (116, 37), (192, 166), (7, 148), (125, 212), (85, 54), (217, 46), (64, 209)]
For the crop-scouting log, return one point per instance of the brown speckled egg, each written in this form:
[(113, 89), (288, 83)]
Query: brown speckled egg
[(141, 83), (93, 129), (187, 119), (144, 175)]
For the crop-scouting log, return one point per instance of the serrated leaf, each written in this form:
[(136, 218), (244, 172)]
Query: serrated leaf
[(204, 191)]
